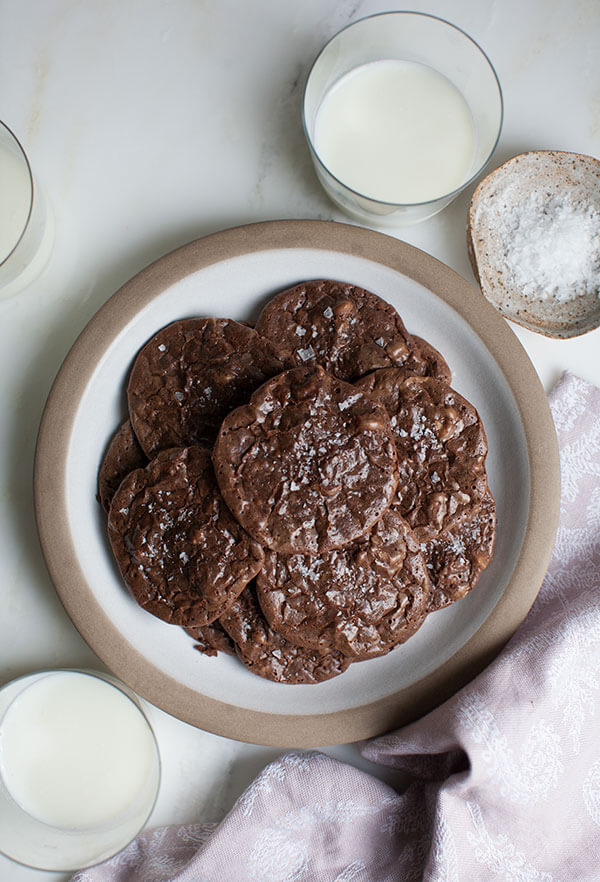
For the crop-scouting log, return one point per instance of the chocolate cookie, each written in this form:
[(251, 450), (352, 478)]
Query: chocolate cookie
[(441, 448), (362, 599), (270, 655), (456, 558), (211, 639), (190, 375), (435, 363), (347, 330), (122, 456), (309, 464), (179, 549)]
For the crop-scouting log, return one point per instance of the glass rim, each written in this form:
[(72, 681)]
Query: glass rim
[(110, 680), (31, 193), (428, 202)]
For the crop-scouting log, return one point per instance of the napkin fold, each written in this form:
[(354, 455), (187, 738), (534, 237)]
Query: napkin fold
[(505, 775)]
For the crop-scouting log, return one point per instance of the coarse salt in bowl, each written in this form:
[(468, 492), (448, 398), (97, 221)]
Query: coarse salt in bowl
[(534, 241)]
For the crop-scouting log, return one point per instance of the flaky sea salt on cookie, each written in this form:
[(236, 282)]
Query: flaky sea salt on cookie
[(456, 558), (183, 556), (345, 329), (441, 446), (190, 374), (362, 599), (267, 653), (309, 464)]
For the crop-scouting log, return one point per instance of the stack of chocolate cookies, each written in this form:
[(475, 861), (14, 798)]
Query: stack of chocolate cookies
[(303, 493)]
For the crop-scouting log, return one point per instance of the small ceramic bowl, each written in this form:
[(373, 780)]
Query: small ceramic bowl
[(533, 238)]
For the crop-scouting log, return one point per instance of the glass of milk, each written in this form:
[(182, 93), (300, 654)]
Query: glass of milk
[(401, 111), (26, 226), (79, 769)]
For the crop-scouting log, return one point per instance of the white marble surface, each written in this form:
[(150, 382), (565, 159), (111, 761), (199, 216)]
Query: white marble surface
[(152, 122)]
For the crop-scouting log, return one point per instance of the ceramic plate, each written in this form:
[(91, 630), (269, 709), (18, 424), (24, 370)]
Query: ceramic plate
[(232, 274)]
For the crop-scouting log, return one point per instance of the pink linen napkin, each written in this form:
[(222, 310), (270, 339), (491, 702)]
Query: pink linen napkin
[(505, 775)]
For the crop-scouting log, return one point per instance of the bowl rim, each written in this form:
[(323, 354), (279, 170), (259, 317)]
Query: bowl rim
[(398, 205)]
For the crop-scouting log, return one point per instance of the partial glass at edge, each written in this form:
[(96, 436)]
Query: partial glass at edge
[(421, 38), (25, 252), (33, 843)]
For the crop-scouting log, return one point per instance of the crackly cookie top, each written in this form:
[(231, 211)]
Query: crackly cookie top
[(456, 558), (309, 464), (441, 448), (178, 548), (122, 456), (435, 365), (269, 654), (345, 329), (362, 599), (190, 374)]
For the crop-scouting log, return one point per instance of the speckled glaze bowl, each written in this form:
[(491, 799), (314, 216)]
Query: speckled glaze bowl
[(558, 186)]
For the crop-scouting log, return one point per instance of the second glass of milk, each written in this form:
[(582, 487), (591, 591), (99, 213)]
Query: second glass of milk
[(401, 111), (26, 225), (79, 769)]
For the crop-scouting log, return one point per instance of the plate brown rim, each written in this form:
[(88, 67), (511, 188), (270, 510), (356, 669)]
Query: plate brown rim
[(103, 635)]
